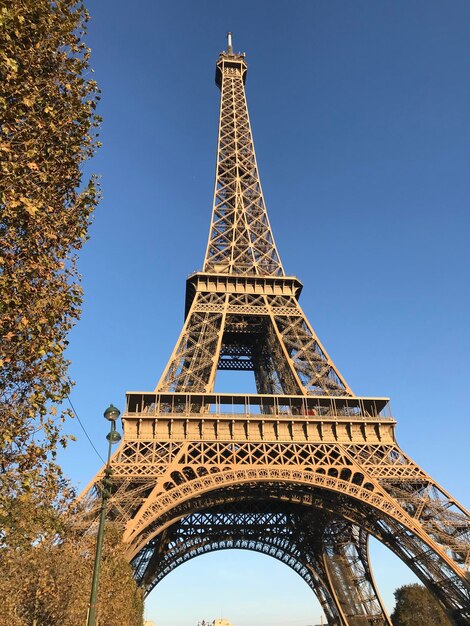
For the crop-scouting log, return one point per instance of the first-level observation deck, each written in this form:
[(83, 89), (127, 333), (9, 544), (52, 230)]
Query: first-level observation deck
[(242, 417)]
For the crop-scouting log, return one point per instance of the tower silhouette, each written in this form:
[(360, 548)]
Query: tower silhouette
[(304, 470)]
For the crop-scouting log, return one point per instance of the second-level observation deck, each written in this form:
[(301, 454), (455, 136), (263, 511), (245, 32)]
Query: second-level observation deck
[(251, 284), (256, 417)]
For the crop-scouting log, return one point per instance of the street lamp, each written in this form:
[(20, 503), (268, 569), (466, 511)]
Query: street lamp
[(111, 414)]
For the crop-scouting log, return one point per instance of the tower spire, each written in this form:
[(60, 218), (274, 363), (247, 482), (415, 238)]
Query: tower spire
[(240, 237)]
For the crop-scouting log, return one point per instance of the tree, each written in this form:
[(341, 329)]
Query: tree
[(416, 606), (50, 584), (48, 129)]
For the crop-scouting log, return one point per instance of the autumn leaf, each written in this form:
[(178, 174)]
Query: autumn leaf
[(31, 209)]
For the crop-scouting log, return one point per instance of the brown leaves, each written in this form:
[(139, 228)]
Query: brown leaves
[(48, 129), (12, 67), (51, 582), (28, 101)]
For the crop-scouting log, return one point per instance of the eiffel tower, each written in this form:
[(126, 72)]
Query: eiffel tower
[(304, 470)]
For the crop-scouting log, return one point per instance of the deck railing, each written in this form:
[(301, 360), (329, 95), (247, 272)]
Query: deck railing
[(194, 404)]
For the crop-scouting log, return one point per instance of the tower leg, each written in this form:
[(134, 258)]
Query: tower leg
[(347, 570)]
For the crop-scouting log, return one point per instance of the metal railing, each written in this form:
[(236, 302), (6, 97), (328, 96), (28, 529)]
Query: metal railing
[(194, 404)]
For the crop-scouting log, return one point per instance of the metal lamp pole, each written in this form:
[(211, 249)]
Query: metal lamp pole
[(111, 414)]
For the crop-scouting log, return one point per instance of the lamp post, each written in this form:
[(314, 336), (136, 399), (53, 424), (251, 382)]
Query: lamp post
[(111, 414)]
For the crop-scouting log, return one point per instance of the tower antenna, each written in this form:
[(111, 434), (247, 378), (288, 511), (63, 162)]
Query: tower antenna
[(229, 43)]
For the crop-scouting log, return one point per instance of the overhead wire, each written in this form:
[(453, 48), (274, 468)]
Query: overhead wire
[(84, 429)]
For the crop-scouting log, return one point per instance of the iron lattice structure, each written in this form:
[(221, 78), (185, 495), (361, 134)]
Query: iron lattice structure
[(304, 470)]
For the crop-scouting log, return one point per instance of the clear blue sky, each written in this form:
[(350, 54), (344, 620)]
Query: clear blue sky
[(360, 113)]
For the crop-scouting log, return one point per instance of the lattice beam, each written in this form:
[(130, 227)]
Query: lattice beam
[(240, 237)]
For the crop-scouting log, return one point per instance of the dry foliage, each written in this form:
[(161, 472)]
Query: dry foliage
[(48, 129), (51, 583)]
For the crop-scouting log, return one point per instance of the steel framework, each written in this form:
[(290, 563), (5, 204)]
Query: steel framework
[(304, 470)]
